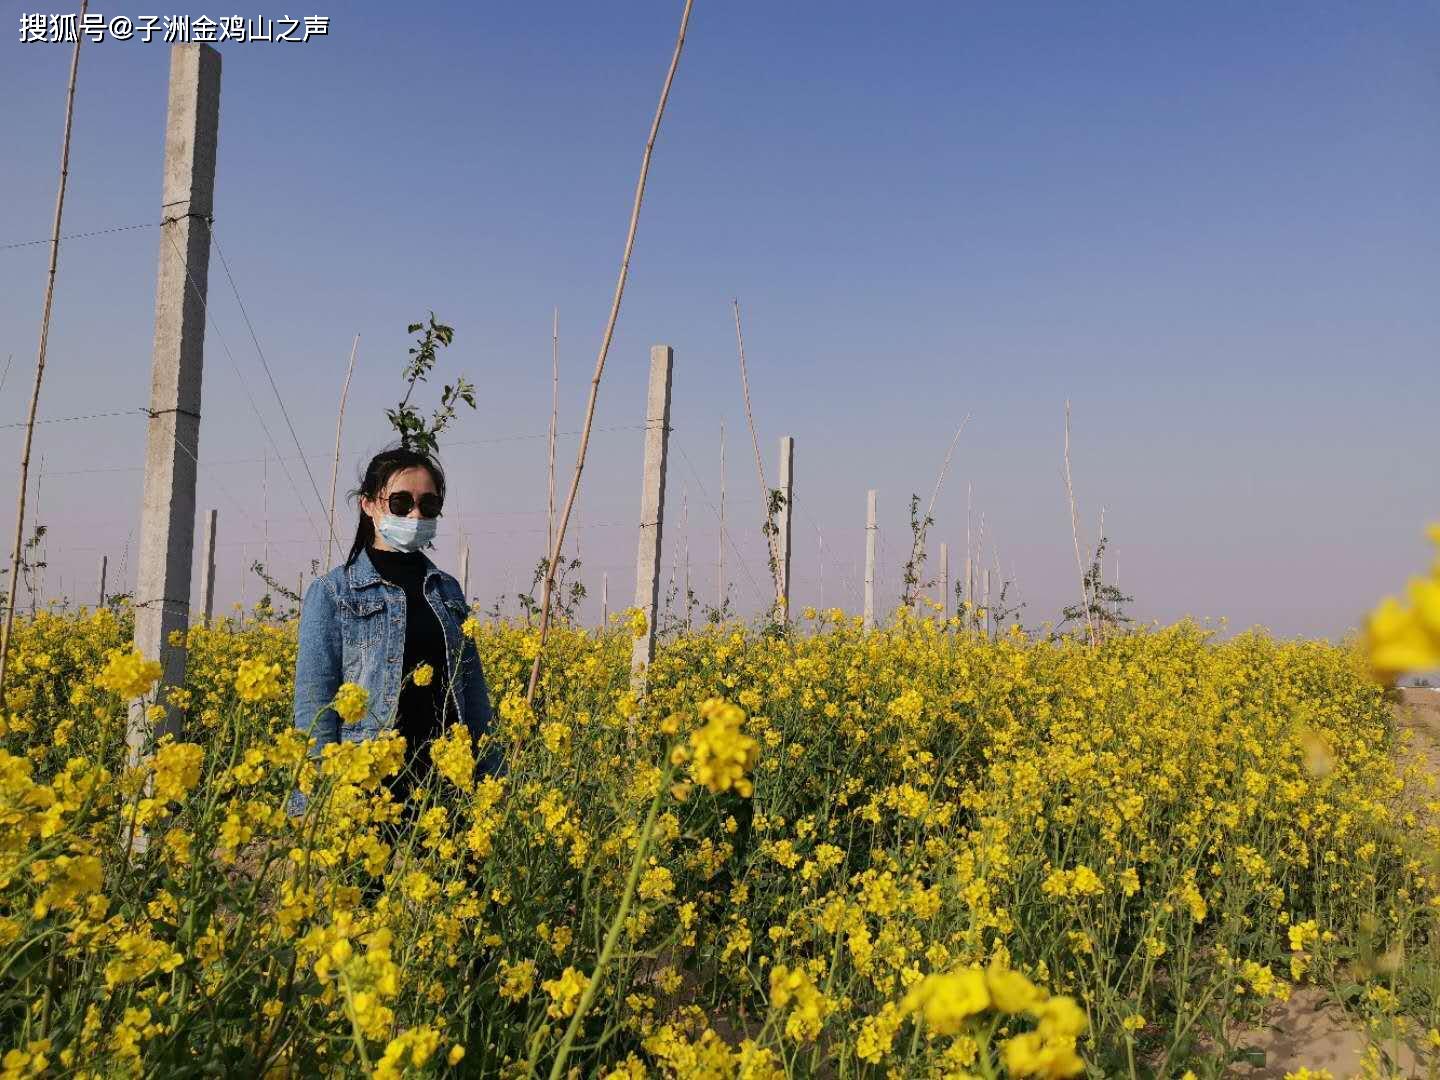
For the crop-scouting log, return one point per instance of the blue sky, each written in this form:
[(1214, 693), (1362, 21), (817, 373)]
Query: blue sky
[(1214, 228)]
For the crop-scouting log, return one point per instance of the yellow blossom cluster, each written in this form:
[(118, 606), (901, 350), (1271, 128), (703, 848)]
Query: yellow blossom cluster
[(930, 854), (1401, 637), (258, 680), (128, 674), (722, 755)]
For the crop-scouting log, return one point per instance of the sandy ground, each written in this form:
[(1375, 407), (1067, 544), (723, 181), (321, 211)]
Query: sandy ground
[(1311, 1030)]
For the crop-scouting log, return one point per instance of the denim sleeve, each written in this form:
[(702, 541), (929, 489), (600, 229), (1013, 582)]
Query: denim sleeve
[(318, 668), (478, 716)]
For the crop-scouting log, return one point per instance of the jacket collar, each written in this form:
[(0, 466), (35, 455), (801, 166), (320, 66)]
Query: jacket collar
[(362, 573)]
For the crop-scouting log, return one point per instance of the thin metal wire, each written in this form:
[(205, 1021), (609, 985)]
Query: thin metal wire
[(210, 320), (82, 235), (73, 419), (724, 531), (270, 376)]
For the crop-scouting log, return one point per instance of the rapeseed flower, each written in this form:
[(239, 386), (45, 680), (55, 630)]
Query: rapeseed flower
[(722, 755), (351, 701), (128, 674)]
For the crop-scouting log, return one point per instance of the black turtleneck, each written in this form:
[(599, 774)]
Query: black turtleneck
[(419, 710)]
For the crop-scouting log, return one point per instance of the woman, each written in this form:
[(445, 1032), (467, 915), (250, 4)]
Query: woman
[(390, 620)]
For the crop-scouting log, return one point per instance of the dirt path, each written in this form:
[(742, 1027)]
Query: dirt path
[(1419, 711), (1311, 1030)]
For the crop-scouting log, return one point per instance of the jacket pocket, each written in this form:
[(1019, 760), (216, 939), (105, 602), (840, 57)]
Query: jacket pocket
[(362, 631)]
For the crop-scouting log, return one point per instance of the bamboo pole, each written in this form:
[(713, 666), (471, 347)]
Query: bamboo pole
[(605, 351), (335, 467), (40, 360)]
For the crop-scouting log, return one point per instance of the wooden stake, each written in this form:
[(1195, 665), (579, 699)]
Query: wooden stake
[(605, 351), (40, 360), (339, 425), (207, 568), (782, 537), (104, 566)]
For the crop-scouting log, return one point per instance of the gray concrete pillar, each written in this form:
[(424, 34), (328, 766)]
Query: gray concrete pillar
[(207, 568), (870, 528), (787, 492), (167, 523), (652, 503)]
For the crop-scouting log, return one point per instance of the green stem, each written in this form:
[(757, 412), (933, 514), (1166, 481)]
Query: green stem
[(616, 925), (357, 1035)]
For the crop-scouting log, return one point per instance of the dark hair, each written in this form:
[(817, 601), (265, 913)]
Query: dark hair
[(377, 474)]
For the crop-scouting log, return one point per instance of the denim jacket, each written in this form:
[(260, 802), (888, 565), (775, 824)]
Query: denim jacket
[(352, 629)]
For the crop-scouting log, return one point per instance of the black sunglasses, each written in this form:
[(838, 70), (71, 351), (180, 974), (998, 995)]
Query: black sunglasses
[(402, 502)]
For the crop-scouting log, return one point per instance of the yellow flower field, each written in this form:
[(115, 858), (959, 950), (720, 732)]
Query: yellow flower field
[(908, 852)]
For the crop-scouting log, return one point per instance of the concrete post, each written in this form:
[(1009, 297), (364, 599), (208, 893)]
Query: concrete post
[(944, 581), (207, 568), (167, 524), (652, 504), (104, 566), (465, 571), (787, 491), (870, 528)]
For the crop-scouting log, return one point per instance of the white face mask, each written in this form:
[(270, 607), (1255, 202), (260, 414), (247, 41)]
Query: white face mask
[(407, 533)]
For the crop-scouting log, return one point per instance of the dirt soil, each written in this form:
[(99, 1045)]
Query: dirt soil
[(1311, 1030)]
